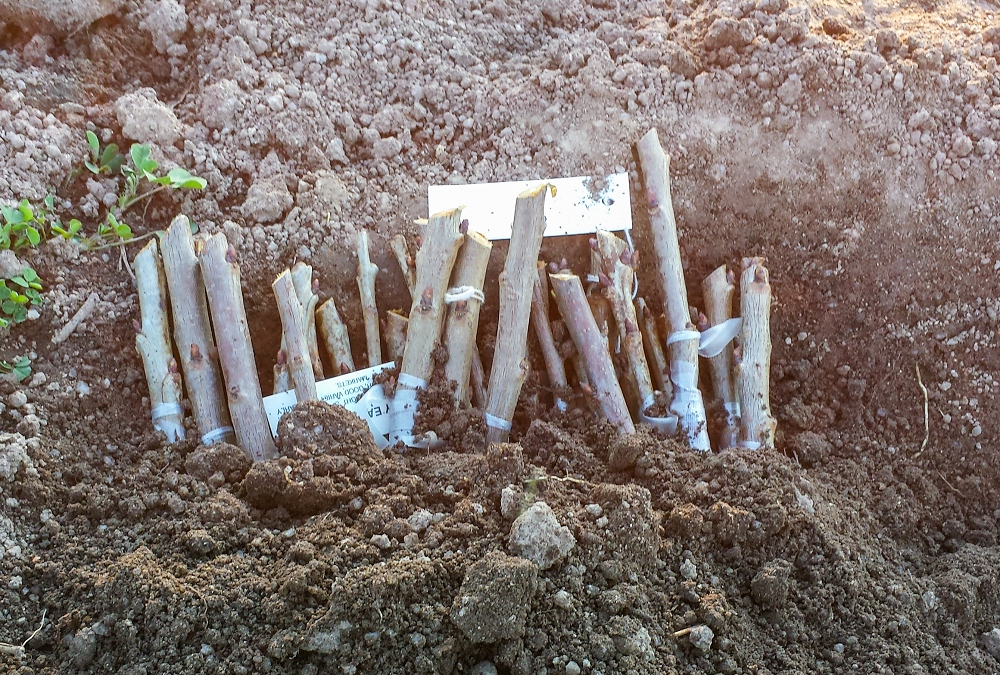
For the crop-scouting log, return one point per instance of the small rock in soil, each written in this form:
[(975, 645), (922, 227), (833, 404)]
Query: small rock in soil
[(991, 642), (493, 602), (538, 536), (83, 648), (701, 637), (769, 587)]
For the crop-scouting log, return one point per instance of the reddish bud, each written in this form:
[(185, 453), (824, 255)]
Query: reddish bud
[(760, 275), (651, 199), (137, 326), (593, 243), (231, 256), (315, 286), (464, 226), (195, 353), (730, 277), (282, 359), (427, 298), (553, 267), (604, 280), (702, 322), (344, 369)]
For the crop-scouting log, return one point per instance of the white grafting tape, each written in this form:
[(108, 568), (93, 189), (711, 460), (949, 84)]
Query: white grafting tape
[(216, 435), (497, 422), (464, 293), (666, 425), (166, 410), (683, 336), (715, 339), (750, 445), (689, 405)]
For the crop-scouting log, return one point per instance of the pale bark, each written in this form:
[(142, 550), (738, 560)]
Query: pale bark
[(756, 422), (293, 327), (402, 252), (239, 369), (395, 334), (305, 290), (718, 289), (193, 334), (367, 272), (682, 339), (435, 261), (153, 344), (462, 324), (617, 284), (81, 315), (510, 365), (580, 323), (654, 345), (334, 335), (554, 365), (478, 380)]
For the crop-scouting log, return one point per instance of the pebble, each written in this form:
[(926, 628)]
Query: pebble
[(483, 668), (381, 540), (538, 536), (701, 637), (573, 668), (17, 399), (689, 570), (563, 600)]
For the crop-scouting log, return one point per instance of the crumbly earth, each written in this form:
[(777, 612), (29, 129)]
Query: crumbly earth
[(853, 145)]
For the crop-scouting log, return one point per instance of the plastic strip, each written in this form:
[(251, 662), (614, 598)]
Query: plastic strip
[(166, 410), (216, 435), (750, 445), (683, 336), (463, 294), (715, 339), (666, 425), (689, 405), (497, 422)]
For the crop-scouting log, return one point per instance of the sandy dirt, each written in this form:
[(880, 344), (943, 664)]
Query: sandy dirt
[(854, 145)]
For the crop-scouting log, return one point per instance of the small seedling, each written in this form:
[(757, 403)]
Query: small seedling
[(20, 368), (15, 299), (18, 230), (109, 161)]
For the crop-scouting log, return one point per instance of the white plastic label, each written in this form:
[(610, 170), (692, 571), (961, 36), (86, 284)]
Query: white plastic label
[(580, 205), (343, 390)]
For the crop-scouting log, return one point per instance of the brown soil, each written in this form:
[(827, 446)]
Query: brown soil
[(852, 145)]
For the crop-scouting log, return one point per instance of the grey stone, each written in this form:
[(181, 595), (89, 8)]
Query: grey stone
[(538, 536), (83, 648), (991, 642), (701, 637)]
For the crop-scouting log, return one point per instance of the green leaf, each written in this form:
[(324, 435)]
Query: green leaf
[(33, 236), (182, 178), (92, 168), (25, 208), (144, 164), (50, 201), (29, 274), (12, 216), (95, 146)]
